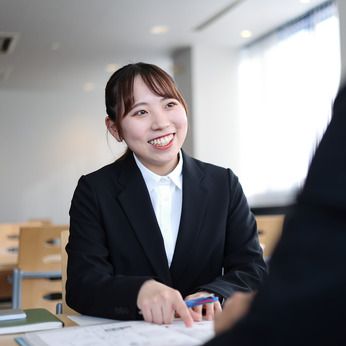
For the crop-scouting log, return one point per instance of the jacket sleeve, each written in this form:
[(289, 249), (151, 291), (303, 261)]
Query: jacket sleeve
[(92, 286), (243, 263)]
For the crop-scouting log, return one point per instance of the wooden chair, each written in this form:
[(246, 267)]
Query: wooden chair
[(9, 242), (37, 277), (39, 222), (269, 232), (63, 307), (9, 234)]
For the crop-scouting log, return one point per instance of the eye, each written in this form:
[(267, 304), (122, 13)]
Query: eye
[(140, 112), (171, 104)]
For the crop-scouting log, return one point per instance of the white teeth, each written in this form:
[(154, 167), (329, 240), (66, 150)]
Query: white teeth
[(161, 142)]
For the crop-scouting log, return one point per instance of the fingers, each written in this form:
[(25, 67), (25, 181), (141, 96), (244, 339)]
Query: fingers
[(158, 314), (162, 314), (196, 313), (167, 314), (146, 313), (209, 312), (184, 312), (209, 309), (159, 303)]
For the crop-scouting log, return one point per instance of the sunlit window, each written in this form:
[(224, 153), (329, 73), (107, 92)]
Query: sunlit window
[(287, 83)]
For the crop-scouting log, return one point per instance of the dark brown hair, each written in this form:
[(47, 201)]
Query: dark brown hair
[(119, 89)]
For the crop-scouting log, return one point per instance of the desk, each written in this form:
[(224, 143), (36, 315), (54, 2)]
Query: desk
[(8, 340)]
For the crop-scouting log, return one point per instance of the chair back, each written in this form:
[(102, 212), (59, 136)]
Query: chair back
[(39, 248), (37, 280), (9, 234), (9, 241), (39, 222), (269, 232)]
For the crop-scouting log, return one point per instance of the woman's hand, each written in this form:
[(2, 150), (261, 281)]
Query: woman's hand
[(210, 308), (234, 309), (159, 304)]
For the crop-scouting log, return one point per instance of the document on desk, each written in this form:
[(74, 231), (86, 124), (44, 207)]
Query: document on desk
[(130, 333), (85, 320)]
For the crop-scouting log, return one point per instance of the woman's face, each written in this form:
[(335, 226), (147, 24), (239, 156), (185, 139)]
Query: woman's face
[(154, 129)]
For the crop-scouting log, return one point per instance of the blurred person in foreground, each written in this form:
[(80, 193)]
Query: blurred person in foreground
[(303, 301)]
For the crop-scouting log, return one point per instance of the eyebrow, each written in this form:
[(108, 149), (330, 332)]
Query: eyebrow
[(139, 104), (146, 103)]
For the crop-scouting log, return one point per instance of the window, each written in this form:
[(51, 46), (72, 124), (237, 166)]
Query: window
[(287, 83)]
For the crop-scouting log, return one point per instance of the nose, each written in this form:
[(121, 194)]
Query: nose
[(159, 119)]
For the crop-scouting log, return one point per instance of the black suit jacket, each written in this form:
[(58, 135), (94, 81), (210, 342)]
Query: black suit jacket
[(303, 302), (115, 242)]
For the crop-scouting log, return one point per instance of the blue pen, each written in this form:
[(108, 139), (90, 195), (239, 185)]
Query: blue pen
[(201, 301)]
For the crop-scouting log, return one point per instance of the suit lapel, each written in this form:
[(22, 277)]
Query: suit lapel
[(195, 195), (136, 203)]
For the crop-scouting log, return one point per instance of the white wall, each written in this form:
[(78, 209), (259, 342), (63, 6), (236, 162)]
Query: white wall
[(215, 105), (182, 60), (207, 76), (48, 139)]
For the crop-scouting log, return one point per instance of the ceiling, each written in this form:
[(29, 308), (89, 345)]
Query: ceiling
[(56, 39)]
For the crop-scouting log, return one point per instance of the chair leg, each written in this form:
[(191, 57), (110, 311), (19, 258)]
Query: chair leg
[(58, 309), (16, 289)]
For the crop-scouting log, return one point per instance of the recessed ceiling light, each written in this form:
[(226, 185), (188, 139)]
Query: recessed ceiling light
[(159, 29), (246, 34), (111, 68), (89, 86)]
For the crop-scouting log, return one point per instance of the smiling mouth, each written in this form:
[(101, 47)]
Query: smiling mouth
[(162, 141)]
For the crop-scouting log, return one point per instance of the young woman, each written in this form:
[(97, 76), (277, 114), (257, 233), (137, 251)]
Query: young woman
[(157, 227)]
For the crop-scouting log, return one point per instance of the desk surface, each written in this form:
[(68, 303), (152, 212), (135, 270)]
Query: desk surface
[(121, 333), (8, 340)]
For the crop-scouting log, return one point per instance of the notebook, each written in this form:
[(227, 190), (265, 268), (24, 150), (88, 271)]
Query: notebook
[(36, 319), (12, 314)]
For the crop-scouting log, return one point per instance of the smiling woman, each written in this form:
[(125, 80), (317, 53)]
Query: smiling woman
[(154, 128), (157, 227)]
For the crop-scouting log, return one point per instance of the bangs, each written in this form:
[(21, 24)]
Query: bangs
[(158, 81), (161, 85), (120, 94)]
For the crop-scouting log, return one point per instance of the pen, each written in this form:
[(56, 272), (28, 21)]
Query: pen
[(200, 301)]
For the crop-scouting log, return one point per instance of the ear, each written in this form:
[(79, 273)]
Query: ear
[(112, 128)]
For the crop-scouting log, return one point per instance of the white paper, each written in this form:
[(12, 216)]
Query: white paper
[(130, 333), (85, 320)]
